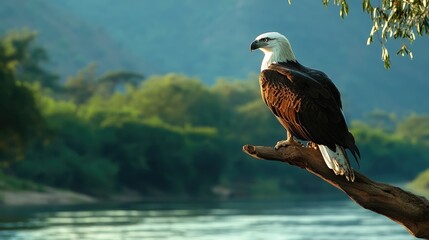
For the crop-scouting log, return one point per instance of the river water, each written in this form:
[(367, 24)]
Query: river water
[(241, 220)]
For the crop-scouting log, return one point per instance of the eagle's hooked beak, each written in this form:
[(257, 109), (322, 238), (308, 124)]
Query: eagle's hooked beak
[(257, 44)]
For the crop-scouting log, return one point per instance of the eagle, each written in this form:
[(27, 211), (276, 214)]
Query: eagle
[(305, 102)]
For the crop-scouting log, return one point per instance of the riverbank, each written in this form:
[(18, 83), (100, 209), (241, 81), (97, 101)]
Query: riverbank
[(19, 192), (49, 196)]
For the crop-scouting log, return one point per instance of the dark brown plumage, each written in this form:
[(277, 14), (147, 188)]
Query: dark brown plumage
[(307, 104)]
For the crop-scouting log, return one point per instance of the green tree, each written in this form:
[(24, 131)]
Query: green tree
[(385, 152), (178, 100), (20, 119), (382, 120), (109, 82), (415, 128), (71, 158), (87, 84), (246, 113), (392, 19), (30, 68), (82, 86)]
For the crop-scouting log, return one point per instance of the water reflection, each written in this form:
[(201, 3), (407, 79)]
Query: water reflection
[(206, 221)]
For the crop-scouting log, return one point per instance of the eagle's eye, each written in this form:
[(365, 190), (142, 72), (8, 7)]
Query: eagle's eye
[(265, 39)]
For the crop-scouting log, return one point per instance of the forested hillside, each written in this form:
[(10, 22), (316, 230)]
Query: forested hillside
[(209, 39), (166, 135)]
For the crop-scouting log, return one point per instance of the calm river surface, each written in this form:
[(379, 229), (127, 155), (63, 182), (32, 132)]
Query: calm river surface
[(286, 219)]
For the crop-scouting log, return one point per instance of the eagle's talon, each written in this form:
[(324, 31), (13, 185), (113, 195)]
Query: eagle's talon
[(286, 143), (280, 144), (312, 145)]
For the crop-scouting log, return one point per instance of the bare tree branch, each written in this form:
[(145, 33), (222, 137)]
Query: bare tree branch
[(401, 206)]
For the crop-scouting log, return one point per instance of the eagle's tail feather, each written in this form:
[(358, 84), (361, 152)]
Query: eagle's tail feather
[(338, 161)]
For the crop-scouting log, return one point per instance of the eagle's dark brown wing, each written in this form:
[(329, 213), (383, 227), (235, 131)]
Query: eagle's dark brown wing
[(306, 107)]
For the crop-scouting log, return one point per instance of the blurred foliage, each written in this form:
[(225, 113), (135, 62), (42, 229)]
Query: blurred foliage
[(386, 155), (392, 19), (382, 120), (29, 60), (420, 184), (416, 129), (20, 119), (171, 135), (87, 84)]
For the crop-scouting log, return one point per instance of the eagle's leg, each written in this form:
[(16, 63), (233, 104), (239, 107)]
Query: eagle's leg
[(288, 142)]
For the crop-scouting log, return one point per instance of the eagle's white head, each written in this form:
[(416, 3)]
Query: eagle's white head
[(275, 46)]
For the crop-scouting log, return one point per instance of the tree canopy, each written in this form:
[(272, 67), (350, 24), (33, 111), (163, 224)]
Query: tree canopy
[(395, 19), (20, 118)]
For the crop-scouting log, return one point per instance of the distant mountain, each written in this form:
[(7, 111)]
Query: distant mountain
[(209, 39), (71, 42)]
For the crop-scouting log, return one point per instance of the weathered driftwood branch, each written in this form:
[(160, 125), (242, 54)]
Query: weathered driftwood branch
[(403, 207)]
